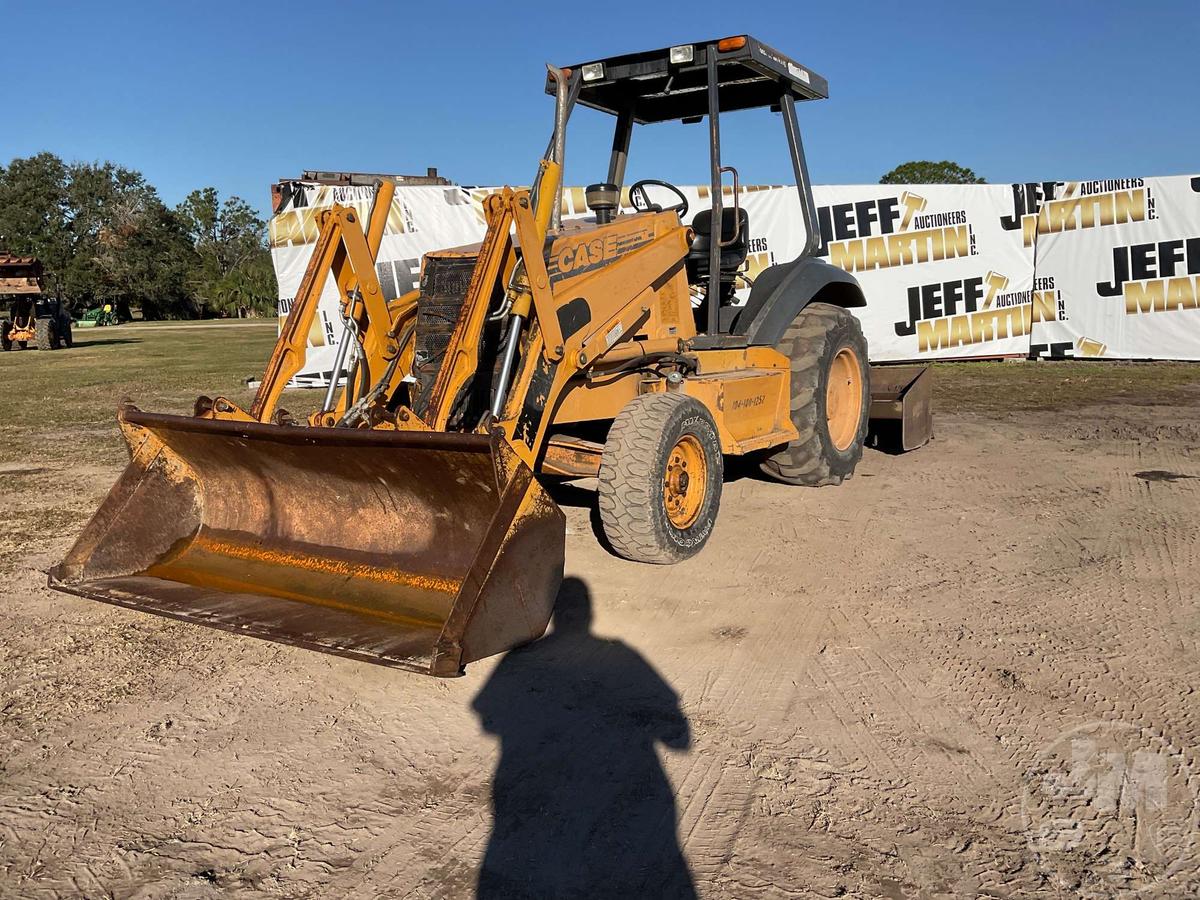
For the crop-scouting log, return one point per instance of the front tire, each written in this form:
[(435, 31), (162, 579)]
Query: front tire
[(831, 397), (46, 334), (660, 479), (5, 341)]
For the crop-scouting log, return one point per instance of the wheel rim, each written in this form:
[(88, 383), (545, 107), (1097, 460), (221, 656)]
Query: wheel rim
[(685, 482), (843, 398)]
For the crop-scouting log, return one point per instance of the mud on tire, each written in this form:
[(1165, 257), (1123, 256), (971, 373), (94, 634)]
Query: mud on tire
[(653, 506), (819, 335)]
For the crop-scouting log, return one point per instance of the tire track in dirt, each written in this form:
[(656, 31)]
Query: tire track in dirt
[(871, 673), (278, 832), (1104, 690)]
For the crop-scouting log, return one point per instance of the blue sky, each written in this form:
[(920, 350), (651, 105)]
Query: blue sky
[(236, 95)]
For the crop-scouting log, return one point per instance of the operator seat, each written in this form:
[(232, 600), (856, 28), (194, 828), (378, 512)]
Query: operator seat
[(732, 256)]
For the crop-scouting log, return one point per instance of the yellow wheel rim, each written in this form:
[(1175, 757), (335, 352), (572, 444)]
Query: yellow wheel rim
[(685, 482), (843, 398)]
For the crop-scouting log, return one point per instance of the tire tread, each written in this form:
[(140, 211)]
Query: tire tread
[(806, 460), (46, 334), (627, 482)]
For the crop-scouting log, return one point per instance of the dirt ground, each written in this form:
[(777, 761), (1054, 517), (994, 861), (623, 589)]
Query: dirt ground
[(969, 671)]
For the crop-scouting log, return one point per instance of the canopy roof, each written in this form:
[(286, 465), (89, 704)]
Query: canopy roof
[(654, 89)]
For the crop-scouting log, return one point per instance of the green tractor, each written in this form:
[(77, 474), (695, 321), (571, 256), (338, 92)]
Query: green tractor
[(99, 317)]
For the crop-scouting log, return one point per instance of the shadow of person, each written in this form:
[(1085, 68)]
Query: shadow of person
[(581, 804)]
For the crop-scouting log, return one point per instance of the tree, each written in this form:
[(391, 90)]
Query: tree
[(924, 171), (104, 236), (33, 209), (128, 247), (101, 232), (233, 273), (144, 257)]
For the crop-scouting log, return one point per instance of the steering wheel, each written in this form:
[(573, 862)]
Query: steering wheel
[(641, 200)]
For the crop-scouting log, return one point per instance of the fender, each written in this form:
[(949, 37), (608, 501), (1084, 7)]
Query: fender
[(781, 291)]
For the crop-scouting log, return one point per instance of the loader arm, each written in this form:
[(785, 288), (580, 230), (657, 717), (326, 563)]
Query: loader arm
[(345, 252), (462, 353), (618, 297), (387, 543)]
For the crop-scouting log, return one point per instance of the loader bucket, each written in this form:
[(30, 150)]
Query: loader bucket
[(901, 408), (420, 550)]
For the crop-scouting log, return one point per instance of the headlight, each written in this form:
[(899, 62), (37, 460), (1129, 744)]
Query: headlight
[(593, 71), (681, 54)]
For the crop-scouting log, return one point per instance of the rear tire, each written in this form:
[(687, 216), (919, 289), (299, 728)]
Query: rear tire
[(660, 479), (46, 334), (831, 397), (5, 341)]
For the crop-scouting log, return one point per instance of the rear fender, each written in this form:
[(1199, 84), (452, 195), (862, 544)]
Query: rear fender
[(782, 291)]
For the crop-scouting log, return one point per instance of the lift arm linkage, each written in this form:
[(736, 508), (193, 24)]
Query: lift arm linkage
[(344, 251)]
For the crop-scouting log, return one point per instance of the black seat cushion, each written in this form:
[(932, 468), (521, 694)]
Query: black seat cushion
[(732, 256)]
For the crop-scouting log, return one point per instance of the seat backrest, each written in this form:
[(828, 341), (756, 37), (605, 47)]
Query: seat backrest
[(702, 223), (733, 255)]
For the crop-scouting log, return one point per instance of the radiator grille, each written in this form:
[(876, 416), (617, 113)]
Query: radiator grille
[(444, 284)]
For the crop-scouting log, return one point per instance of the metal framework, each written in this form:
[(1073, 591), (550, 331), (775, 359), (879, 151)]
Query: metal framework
[(720, 75)]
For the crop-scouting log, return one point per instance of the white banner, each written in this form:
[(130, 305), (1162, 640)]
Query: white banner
[(1123, 256), (948, 270), (942, 277)]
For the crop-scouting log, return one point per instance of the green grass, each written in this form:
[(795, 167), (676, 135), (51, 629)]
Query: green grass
[(62, 405), (202, 323)]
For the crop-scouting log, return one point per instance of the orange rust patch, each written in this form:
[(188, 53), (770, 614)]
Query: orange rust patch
[(189, 575), (328, 566)]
